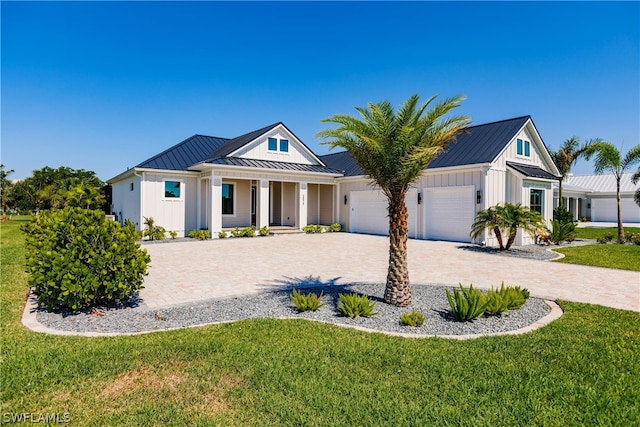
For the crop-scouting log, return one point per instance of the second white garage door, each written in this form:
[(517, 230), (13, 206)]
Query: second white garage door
[(369, 213), (449, 213), (607, 210)]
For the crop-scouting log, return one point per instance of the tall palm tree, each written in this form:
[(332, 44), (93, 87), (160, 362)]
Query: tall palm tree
[(393, 148), (567, 156), (507, 217), (635, 178), (609, 159)]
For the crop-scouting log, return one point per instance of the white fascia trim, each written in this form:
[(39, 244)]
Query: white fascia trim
[(266, 171), (471, 167), (136, 171)]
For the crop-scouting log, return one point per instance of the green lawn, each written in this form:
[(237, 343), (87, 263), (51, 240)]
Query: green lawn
[(596, 232), (612, 255), (583, 369)]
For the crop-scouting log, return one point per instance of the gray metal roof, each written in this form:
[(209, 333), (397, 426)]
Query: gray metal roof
[(531, 171), (268, 164), (480, 144), (342, 161), (605, 183), (179, 157), (238, 142)]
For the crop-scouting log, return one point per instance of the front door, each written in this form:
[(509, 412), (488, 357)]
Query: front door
[(254, 191)]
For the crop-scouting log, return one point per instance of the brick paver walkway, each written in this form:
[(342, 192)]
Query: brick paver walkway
[(187, 271)]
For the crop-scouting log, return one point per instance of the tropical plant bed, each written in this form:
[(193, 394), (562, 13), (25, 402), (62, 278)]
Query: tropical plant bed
[(430, 300), (539, 252)]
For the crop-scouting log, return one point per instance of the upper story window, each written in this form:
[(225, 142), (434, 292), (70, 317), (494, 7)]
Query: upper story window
[(272, 145), (523, 147), (172, 189)]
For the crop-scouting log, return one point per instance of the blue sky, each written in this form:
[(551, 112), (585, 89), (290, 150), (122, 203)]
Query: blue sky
[(104, 86)]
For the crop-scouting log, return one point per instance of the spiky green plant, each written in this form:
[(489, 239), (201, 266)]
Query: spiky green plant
[(355, 305), (412, 318), (306, 302), (467, 303)]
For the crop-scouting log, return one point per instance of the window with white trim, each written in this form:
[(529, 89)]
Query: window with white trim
[(172, 189), (227, 199), (536, 200), (523, 147)]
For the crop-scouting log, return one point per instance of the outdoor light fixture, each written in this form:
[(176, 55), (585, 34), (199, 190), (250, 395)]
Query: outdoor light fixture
[(345, 199), (478, 197), (419, 198)]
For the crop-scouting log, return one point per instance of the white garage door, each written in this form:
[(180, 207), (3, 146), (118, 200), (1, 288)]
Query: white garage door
[(449, 213), (606, 210), (369, 212)]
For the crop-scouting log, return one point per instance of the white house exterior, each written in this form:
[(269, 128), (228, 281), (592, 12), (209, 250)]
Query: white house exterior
[(593, 197), (269, 177)]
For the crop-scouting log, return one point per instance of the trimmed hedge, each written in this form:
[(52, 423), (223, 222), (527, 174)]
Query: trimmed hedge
[(76, 258)]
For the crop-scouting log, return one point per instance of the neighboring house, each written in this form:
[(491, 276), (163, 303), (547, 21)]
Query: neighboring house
[(269, 177), (594, 197)]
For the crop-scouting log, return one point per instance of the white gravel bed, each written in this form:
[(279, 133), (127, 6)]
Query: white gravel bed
[(430, 300)]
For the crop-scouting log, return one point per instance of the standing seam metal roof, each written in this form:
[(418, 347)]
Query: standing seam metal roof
[(531, 171), (184, 154)]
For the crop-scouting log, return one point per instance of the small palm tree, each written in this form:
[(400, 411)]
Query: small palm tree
[(609, 159), (487, 218), (393, 148), (508, 218), (567, 156)]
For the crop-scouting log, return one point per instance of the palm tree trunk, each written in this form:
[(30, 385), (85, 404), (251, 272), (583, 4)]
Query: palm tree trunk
[(398, 289), (620, 227), (512, 238), (560, 201), (498, 233)]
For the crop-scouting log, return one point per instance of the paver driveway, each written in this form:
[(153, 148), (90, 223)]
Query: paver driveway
[(186, 271)]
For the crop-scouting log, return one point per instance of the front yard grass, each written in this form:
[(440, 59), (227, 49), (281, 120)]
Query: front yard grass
[(583, 369), (611, 255), (593, 233)]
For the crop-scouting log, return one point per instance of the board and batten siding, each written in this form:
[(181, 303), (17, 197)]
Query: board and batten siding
[(179, 214), (126, 201), (259, 149)]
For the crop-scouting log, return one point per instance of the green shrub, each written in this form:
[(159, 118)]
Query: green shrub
[(173, 234), (563, 216), (561, 232), (153, 231), (467, 304), (249, 231), (76, 258), (200, 234), (264, 231), (633, 238), (236, 232), (506, 298), (334, 228), (312, 228), (412, 318), (222, 234), (605, 239), (306, 302), (354, 305)]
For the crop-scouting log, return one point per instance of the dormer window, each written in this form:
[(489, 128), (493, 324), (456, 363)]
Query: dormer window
[(523, 148), (274, 144)]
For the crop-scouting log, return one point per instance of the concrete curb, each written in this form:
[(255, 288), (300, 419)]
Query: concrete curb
[(30, 321)]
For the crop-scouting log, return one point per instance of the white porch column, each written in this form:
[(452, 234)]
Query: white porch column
[(215, 224), (262, 217), (302, 205), (575, 208)]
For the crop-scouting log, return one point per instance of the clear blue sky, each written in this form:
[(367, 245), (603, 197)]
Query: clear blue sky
[(104, 86)]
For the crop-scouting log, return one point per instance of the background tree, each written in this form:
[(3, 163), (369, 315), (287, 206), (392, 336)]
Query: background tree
[(49, 188), (5, 189), (609, 159), (635, 178), (567, 156), (393, 148)]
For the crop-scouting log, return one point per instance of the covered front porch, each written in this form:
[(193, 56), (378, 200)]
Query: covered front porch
[(226, 201)]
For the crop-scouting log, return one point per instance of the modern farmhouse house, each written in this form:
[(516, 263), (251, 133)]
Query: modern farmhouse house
[(269, 177)]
